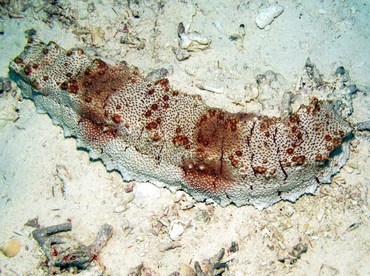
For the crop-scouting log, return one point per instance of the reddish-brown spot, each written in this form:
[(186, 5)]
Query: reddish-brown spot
[(151, 126), (327, 137), (154, 107), (54, 252), (64, 85), (300, 160), (35, 66), (88, 99), (148, 114), (259, 170), (151, 91), (166, 105), (234, 162), (289, 151), (239, 153), (336, 141), (162, 82), (36, 85), (28, 70), (73, 87), (116, 118), (166, 98), (175, 93), (177, 141), (156, 137), (294, 118), (45, 78), (319, 157)]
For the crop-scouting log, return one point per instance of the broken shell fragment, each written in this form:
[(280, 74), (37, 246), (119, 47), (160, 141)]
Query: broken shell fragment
[(194, 42), (268, 14), (176, 230)]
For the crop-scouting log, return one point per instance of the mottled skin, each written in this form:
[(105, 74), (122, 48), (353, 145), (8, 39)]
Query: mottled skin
[(150, 131)]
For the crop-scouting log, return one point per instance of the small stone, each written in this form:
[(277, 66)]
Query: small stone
[(33, 223), (10, 248), (129, 188), (176, 230), (340, 71), (267, 14)]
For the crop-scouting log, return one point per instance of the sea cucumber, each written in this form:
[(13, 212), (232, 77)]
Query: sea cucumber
[(149, 131)]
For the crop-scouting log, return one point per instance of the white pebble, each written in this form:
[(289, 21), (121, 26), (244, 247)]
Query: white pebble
[(267, 14), (176, 230)]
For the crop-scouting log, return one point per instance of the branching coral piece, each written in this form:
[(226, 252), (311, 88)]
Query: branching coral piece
[(63, 253)]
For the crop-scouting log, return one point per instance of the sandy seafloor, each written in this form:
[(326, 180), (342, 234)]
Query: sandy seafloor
[(43, 175)]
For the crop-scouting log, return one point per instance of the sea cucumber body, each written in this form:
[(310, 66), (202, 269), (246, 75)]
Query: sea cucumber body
[(152, 132)]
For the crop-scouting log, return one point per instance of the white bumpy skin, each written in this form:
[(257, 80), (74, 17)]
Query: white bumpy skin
[(151, 132)]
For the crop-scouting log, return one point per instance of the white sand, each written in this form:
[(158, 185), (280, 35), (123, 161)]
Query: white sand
[(37, 162)]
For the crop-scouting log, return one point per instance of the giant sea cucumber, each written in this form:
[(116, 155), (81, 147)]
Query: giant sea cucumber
[(149, 131)]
